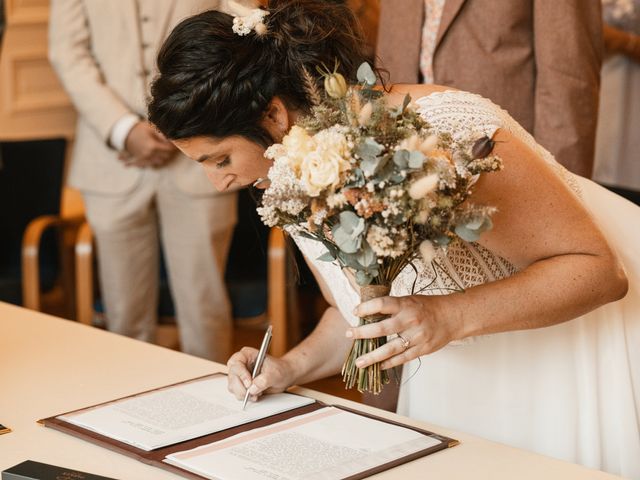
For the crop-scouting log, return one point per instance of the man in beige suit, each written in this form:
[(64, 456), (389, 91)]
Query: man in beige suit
[(135, 185), (538, 59)]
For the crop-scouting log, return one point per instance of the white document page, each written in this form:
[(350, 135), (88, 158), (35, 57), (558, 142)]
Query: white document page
[(177, 413), (328, 443)]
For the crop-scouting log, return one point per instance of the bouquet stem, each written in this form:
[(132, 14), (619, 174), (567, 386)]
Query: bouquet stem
[(372, 378)]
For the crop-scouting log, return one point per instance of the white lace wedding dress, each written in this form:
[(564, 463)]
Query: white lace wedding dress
[(571, 391)]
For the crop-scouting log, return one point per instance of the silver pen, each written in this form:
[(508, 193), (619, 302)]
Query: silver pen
[(262, 353)]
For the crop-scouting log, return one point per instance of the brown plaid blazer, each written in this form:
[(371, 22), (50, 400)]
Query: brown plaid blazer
[(538, 59)]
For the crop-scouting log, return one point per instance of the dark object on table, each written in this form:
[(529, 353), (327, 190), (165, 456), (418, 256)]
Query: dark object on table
[(31, 470)]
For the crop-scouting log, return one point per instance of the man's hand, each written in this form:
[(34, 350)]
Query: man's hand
[(146, 147)]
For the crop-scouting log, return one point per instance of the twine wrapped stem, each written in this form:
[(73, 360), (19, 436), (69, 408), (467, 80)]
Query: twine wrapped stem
[(372, 378)]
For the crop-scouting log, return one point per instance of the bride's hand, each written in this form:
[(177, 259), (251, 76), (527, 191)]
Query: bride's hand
[(416, 321), (276, 375)]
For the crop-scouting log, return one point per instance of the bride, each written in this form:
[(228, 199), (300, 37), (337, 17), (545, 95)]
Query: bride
[(541, 352)]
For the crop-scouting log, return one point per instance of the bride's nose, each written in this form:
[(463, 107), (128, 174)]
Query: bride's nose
[(220, 182)]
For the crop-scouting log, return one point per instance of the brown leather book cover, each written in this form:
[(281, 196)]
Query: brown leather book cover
[(156, 457)]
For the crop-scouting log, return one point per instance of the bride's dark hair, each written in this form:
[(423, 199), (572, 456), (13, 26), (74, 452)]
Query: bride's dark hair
[(214, 82)]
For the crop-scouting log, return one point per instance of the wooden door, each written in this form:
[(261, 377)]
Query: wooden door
[(33, 104)]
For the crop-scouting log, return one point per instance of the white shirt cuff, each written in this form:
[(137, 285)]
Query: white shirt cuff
[(121, 129)]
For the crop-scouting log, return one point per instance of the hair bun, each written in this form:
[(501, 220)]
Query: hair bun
[(215, 82), (305, 27)]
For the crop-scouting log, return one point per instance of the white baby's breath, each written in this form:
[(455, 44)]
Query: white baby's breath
[(385, 243)]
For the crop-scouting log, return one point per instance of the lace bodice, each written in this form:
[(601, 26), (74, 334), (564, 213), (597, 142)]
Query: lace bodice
[(462, 264)]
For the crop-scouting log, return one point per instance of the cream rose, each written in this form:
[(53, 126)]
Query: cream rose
[(318, 172), (299, 144), (331, 142)]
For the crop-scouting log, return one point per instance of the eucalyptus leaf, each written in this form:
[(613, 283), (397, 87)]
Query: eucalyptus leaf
[(401, 158), (471, 231), (346, 242), (326, 257), (348, 233), (363, 278), (331, 247), (475, 224), (349, 260), (351, 222), (359, 180), (370, 165), (467, 234), (397, 178), (366, 75), (373, 272), (416, 160), (366, 256), (442, 241), (369, 149), (386, 171)]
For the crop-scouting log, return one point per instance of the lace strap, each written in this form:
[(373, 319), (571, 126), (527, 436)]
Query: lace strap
[(466, 115), (461, 113)]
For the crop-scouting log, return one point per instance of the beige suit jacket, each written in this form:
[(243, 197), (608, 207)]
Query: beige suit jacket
[(105, 58), (538, 59)]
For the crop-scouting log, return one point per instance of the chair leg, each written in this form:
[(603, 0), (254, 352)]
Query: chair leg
[(84, 275), (30, 279), (67, 244), (30, 255)]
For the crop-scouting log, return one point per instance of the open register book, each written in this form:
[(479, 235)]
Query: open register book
[(197, 429)]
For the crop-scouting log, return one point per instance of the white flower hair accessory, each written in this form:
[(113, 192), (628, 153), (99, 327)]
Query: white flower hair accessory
[(247, 19)]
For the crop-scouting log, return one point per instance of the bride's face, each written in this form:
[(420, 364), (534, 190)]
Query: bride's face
[(230, 163), (235, 162)]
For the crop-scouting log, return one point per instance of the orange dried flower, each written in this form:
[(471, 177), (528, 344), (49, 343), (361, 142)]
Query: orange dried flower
[(352, 195)]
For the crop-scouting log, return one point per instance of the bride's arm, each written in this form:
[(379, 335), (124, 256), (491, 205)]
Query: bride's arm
[(319, 355), (566, 266)]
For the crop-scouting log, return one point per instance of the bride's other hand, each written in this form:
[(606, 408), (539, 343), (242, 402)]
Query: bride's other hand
[(415, 319), (276, 375)]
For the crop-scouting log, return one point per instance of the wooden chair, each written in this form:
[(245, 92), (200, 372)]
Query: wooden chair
[(276, 284), (32, 297), (46, 245)]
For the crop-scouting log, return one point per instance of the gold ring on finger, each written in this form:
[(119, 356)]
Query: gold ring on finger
[(405, 342)]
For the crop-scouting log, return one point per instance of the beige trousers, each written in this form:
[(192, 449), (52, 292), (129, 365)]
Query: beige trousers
[(195, 232)]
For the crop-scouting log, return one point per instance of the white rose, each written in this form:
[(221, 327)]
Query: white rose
[(333, 143), (299, 144), (318, 172)]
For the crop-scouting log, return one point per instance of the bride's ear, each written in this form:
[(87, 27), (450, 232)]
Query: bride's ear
[(276, 119)]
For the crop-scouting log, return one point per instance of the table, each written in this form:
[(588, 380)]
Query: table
[(50, 366)]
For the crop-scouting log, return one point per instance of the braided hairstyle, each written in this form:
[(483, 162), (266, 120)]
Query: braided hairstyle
[(214, 82)]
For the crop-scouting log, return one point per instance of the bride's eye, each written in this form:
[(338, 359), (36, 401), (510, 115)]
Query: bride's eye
[(223, 163)]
